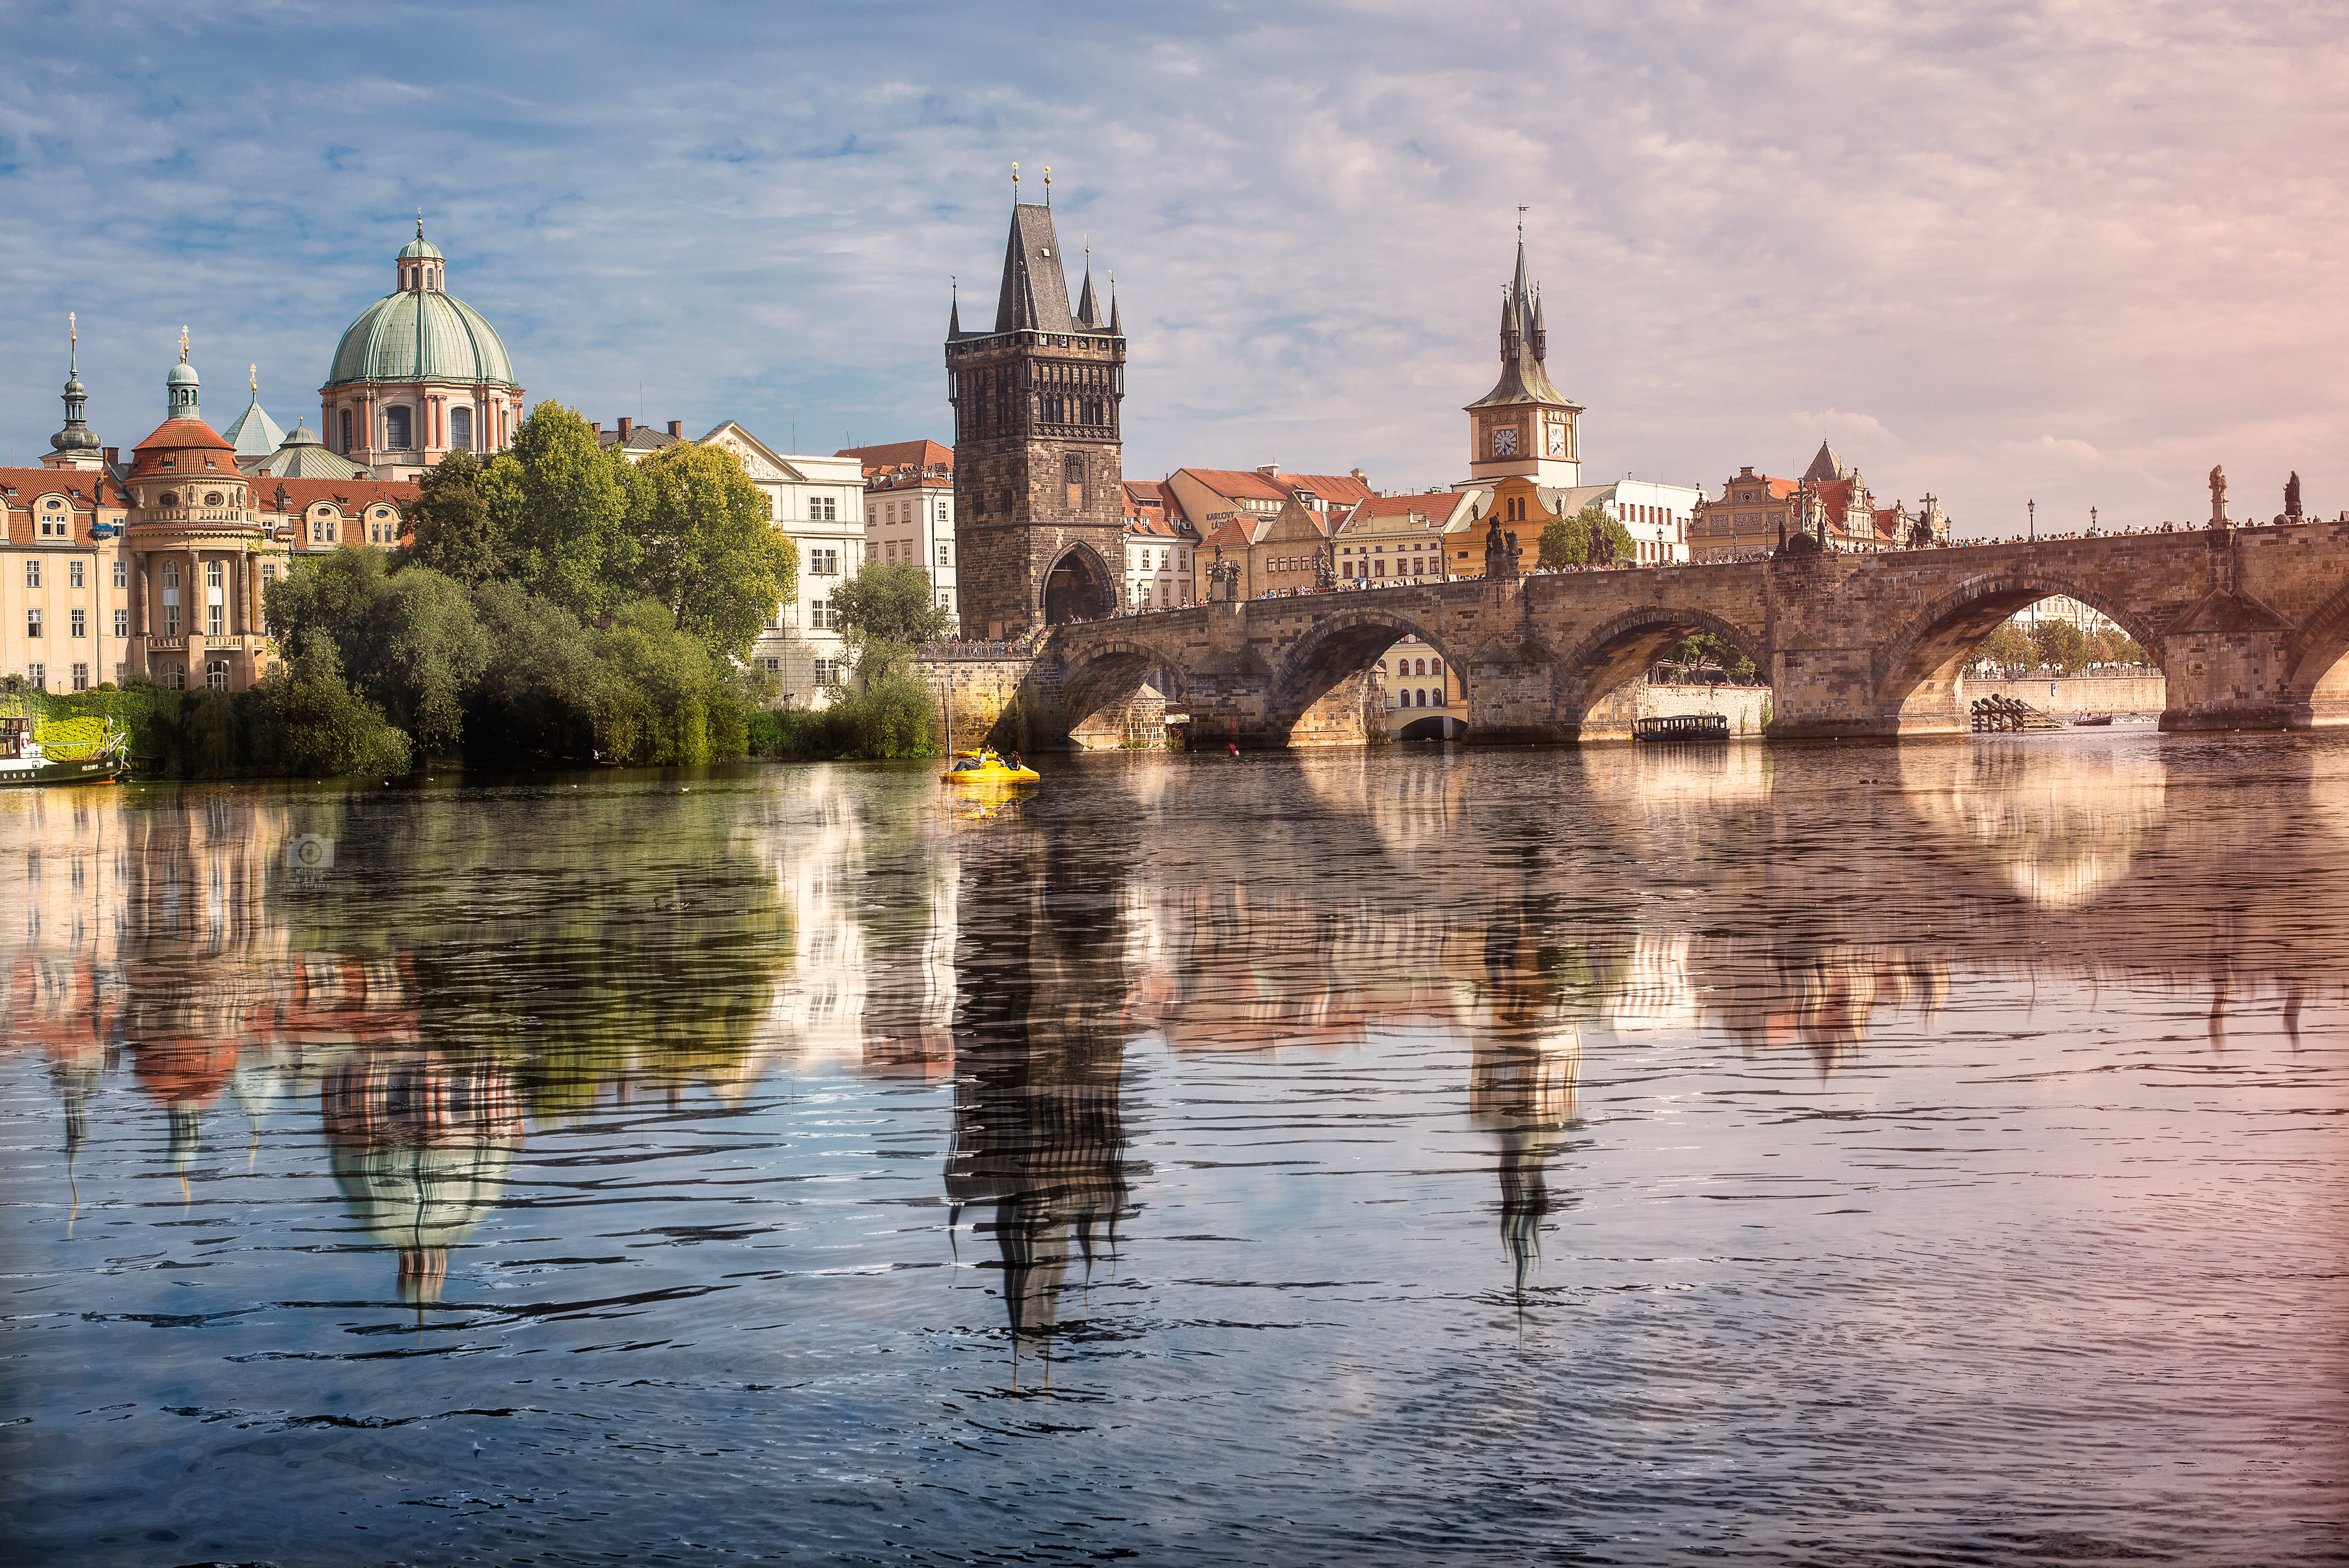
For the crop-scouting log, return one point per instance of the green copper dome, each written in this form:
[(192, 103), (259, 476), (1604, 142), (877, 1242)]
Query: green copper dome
[(421, 246), (420, 334)]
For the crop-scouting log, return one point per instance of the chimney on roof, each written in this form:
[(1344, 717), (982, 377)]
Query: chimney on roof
[(1746, 472), (1361, 479), (113, 456), (1269, 470), (627, 424), (598, 429), (677, 429)]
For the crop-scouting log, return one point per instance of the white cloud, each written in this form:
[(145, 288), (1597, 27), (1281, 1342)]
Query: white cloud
[(1977, 224)]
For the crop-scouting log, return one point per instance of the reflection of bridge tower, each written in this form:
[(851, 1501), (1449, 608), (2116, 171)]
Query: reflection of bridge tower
[(420, 1142), (1039, 1131), (1523, 1079)]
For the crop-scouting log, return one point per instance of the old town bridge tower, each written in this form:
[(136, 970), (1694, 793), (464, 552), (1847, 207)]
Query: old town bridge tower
[(1039, 513)]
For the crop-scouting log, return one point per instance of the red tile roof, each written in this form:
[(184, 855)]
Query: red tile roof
[(350, 497), (1238, 483), (900, 454), (21, 488), (1434, 503), (178, 435)]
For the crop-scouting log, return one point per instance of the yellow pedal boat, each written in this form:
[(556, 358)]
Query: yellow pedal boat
[(985, 768)]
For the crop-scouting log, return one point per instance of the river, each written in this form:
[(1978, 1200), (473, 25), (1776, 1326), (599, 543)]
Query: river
[(1800, 1154)]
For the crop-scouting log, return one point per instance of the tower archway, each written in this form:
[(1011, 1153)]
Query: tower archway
[(1078, 587)]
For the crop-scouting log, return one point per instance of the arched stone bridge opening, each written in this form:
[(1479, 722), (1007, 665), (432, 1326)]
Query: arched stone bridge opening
[(2250, 628)]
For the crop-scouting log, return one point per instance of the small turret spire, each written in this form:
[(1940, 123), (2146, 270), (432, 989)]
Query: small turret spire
[(74, 445), (954, 310), (1117, 322)]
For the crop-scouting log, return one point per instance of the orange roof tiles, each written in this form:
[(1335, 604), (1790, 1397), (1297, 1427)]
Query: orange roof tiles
[(900, 454), (348, 496)]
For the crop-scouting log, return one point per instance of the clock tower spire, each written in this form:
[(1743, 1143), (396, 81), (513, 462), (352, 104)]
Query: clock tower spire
[(1525, 427)]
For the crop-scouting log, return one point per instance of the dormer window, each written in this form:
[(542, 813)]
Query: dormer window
[(168, 498)]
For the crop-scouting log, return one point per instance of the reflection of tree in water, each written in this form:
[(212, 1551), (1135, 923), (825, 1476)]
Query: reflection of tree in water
[(420, 1142), (592, 941), (1040, 1130)]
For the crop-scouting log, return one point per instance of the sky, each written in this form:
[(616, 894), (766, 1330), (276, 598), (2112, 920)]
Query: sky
[(2072, 253)]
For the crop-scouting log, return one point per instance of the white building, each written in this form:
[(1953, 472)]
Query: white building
[(1657, 515), (1159, 540), (820, 503), (909, 511)]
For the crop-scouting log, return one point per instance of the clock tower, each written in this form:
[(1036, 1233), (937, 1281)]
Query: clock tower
[(1523, 427)]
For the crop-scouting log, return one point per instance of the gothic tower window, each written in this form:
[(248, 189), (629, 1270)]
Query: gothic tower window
[(1073, 475)]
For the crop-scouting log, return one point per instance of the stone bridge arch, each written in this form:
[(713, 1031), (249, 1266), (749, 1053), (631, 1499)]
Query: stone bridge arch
[(1317, 692), (1591, 700), (1917, 669), (2317, 679), (1102, 676)]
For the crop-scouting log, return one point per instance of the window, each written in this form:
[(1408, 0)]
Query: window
[(211, 574), (827, 672), (893, 549), (395, 427), (322, 529), (268, 573), (212, 613), (460, 428), (347, 432), (872, 550), (216, 675), (823, 508), (1439, 696), (1436, 666), (942, 512), (823, 563), (32, 622), (1383, 568), (176, 676), (819, 616), (772, 665), (79, 624), (122, 622), (82, 677), (942, 555), (38, 674), (122, 574), (945, 602), (32, 573), (73, 575)]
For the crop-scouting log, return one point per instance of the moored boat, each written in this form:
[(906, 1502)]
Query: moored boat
[(63, 757), (2094, 719)]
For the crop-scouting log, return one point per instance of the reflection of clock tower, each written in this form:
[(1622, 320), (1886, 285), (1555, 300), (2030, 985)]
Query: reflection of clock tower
[(1523, 425)]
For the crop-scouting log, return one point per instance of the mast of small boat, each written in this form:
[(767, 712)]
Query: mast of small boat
[(945, 702)]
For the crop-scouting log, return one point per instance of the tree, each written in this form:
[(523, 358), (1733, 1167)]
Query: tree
[(450, 528), (560, 503), (1699, 647), (705, 547), (411, 638), (311, 723), (2006, 644), (1565, 541), (2061, 645), (888, 611)]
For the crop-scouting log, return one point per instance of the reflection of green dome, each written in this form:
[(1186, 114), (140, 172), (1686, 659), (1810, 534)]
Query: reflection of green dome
[(421, 1200), (420, 334)]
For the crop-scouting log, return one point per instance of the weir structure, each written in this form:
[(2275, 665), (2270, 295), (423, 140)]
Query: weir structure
[(2249, 627)]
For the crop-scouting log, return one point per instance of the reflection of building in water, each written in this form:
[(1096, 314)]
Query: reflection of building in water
[(1656, 994), (2060, 836), (1039, 1128), (1524, 1071), (871, 981), (420, 1142)]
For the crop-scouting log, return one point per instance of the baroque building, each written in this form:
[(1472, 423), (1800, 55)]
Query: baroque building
[(420, 373), (1039, 501), (1525, 426)]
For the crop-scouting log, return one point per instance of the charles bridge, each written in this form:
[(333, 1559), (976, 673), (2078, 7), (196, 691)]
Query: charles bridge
[(2249, 627)]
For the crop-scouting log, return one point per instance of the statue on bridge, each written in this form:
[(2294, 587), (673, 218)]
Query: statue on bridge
[(1223, 579), (1500, 552), (1325, 569), (2218, 497), (2291, 497)]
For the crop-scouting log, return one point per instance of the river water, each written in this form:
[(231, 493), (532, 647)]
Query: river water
[(1835, 1155)]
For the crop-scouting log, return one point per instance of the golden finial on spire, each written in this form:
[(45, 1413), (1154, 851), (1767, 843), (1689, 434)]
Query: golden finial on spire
[(1015, 182), (73, 328), (1048, 185), (253, 378), (420, 222), (184, 344)]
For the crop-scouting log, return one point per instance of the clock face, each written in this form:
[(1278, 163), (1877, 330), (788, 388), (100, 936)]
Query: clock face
[(1504, 442), (1558, 440)]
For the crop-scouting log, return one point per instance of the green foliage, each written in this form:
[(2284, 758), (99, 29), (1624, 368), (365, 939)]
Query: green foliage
[(2061, 645), (413, 636), (888, 611), (560, 503), (1565, 541), (544, 684), (308, 721), (705, 547), (667, 702), (892, 717), (1710, 648), (451, 529), (2006, 644)]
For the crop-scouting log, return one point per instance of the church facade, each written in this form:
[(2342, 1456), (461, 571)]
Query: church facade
[(1039, 497)]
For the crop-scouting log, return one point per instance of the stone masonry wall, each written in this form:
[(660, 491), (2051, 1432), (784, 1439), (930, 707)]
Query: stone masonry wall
[(2076, 694)]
